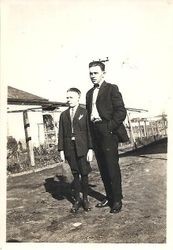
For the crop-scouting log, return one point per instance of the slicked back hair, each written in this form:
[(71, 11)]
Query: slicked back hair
[(97, 63), (74, 90)]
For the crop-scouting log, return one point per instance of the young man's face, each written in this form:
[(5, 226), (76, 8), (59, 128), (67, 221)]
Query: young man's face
[(96, 74), (72, 98)]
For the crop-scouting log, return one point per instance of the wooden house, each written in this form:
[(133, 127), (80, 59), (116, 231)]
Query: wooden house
[(32, 120)]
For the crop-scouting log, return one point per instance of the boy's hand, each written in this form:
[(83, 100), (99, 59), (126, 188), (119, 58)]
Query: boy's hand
[(62, 156), (90, 155)]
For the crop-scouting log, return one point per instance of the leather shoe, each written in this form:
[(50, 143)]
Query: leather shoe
[(86, 205), (103, 203), (116, 208), (75, 207)]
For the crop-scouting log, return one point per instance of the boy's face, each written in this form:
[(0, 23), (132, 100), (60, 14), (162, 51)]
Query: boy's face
[(96, 74), (72, 98)]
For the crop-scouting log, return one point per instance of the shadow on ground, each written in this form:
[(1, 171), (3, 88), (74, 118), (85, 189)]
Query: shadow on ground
[(62, 190), (59, 189), (156, 147)]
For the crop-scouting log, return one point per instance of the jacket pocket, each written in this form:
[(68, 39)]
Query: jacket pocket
[(122, 134)]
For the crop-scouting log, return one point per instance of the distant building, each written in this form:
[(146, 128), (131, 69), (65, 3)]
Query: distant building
[(43, 117)]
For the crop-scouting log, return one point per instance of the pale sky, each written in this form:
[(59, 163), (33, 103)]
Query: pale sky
[(48, 44)]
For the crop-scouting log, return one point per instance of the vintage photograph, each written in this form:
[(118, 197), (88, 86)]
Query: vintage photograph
[(88, 88)]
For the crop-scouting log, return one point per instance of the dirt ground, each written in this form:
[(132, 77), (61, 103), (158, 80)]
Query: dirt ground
[(38, 206)]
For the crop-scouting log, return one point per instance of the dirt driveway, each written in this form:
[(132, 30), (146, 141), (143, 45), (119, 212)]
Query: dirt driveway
[(38, 207)]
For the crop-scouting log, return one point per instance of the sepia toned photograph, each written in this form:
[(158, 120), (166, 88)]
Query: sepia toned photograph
[(85, 96)]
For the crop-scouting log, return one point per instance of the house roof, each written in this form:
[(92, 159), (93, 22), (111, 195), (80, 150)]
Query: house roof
[(18, 94), (20, 97)]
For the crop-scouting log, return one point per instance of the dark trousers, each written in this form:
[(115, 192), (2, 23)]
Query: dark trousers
[(80, 169), (78, 181), (106, 151)]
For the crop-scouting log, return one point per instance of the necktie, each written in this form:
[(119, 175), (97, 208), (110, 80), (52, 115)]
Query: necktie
[(72, 116)]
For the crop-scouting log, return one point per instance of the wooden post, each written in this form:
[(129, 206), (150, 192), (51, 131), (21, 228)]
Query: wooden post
[(139, 126), (157, 128), (153, 132), (38, 124), (165, 127), (28, 138), (132, 138), (39, 139), (145, 128)]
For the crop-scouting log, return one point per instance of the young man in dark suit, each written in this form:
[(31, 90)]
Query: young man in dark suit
[(75, 146), (106, 114)]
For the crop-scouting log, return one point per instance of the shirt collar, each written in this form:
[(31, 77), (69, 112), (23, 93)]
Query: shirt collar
[(74, 108)]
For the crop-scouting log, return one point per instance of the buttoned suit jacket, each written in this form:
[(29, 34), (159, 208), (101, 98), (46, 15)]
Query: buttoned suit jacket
[(81, 132), (111, 109)]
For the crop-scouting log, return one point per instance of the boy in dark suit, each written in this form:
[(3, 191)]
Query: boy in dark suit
[(106, 114), (75, 146)]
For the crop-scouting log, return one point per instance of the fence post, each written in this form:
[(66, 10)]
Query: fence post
[(28, 138), (132, 138), (145, 128), (139, 126)]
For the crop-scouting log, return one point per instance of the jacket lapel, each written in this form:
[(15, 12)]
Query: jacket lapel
[(68, 115), (90, 100), (77, 114), (102, 89)]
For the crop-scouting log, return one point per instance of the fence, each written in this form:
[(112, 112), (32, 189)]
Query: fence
[(141, 132)]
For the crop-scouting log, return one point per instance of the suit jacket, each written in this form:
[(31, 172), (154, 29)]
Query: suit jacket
[(111, 108), (81, 132)]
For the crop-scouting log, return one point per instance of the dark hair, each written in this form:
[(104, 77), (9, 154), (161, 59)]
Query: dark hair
[(97, 63), (74, 90)]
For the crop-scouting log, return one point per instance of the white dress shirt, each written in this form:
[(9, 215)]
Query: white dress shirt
[(95, 114)]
